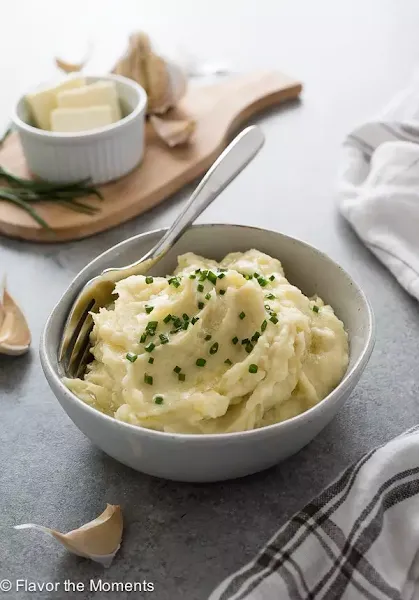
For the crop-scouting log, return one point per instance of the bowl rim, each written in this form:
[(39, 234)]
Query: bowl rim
[(81, 135), (339, 390)]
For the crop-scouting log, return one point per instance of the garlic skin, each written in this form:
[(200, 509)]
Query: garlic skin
[(98, 540), (15, 336), (173, 132)]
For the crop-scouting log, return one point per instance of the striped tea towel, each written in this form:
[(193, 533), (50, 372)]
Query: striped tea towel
[(378, 186), (359, 539)]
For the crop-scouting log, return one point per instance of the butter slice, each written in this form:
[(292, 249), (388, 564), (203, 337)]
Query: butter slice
[(81, 119), (41, 103), (95, 94)]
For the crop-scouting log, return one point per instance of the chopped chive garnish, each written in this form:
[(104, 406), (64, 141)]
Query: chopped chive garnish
[(255, 336), (151, 360), (249, 348), (208, 337), (264, 325), (223, 270), (253, 368), (214, 348), (272, 277), (152, 325), (149, 279), (200, 362), (150, 347), (212, 277), (131, 357), (235, 340), (267, 307), (185, 325), (316, 309), (148, 379), (181, 376), (208, 296), (194, 320), (174, 281), (159, 399), (203, 276), (221, 275), (149, 309), (185, 317), (177, 322), (242, 315), (256, 275), (201, 305), (245, 341), (167, 318), (177, 369), (192, 276), (247, 276), (200, 287), (143, 338), (228, 361), (270, 296), (262, 282), (274, 320), (163, 338), (222, 292), (197, 270)]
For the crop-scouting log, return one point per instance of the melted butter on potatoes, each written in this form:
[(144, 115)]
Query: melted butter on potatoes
[(216, 347)]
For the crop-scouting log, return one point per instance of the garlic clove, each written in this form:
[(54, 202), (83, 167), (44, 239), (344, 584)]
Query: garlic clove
[(15, 336), (158, 85), (173, 132), (69, 67), (175, 88), (74, 67), (98, 540), (132, 63)]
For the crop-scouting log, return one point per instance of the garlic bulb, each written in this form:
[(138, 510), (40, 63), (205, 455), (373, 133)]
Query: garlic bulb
[(98, 540), (173, 132), (15, 337), (164, 81)]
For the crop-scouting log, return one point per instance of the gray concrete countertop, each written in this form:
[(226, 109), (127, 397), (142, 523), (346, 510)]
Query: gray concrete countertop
[(352, 57)]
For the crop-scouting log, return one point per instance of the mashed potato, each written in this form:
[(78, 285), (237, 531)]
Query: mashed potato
[(217, 347)]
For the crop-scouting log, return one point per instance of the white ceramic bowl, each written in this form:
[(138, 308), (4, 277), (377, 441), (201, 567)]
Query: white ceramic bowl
[(101, 154), (222, 456)]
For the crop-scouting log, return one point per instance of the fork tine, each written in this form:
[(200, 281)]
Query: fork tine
[(79, 359), (70, 340)]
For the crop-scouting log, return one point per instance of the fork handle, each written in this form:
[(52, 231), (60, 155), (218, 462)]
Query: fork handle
[(228, 165)]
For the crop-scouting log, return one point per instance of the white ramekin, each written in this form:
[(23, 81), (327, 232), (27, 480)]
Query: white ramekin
[(101, 154)]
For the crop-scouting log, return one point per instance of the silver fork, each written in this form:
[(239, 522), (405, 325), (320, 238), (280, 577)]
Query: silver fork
[(97, 293)]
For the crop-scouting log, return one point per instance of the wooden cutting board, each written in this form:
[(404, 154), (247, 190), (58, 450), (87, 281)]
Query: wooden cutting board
[(219, 111)]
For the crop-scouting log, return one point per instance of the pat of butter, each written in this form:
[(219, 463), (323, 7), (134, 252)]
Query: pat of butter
[(81, 119), (41, 103), (95, 94)]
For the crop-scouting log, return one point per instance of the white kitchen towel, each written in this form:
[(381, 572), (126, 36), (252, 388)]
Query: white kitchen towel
[(358, 540), (378, 186)]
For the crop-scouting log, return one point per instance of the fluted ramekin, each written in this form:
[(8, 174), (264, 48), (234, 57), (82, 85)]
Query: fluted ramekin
[(101, 154)]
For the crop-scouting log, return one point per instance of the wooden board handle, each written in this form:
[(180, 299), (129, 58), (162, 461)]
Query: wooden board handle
[(239, 99)]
